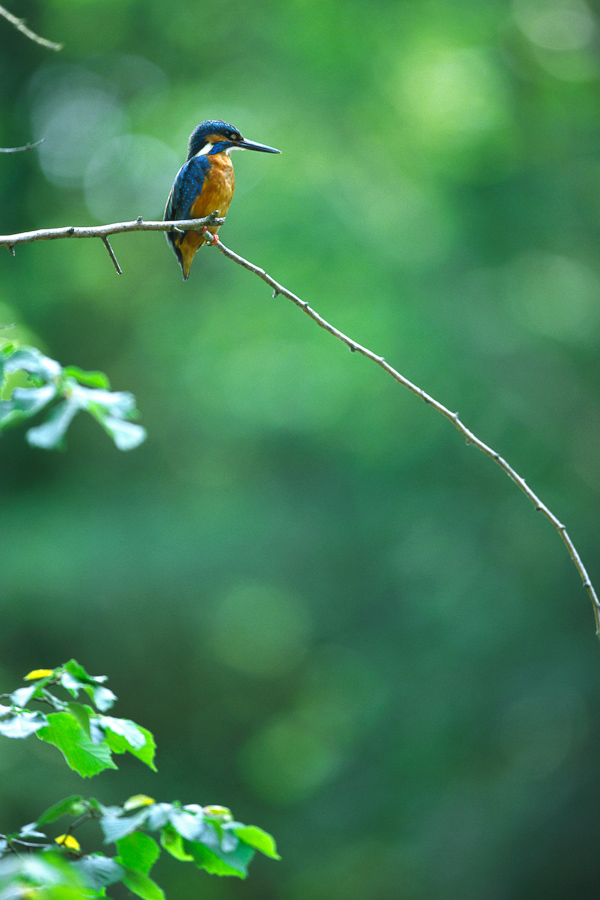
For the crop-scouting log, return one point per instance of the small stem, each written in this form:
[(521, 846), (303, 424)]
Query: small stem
[(111, 253), (21, 149), (22, 27)]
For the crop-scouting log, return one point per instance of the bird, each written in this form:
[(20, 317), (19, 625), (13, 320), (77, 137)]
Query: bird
[(204, 185)]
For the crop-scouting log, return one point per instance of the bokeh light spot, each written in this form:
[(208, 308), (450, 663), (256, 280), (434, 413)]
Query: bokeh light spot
[(555, 24), (129, 176), (556, 296), (287, 762), (75, 112), (539, 731), (260, 630), (457, 91)]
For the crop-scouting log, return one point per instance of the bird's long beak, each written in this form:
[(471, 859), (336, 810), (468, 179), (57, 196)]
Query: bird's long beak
[(252, 145)]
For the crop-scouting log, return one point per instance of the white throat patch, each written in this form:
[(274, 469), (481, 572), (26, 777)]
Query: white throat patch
[(205, 150)]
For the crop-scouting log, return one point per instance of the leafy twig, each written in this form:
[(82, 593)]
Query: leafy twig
[(63, 392)]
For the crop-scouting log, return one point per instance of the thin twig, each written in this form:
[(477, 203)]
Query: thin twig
[(22, 27), (471, 438), (104, 231), (21, 149), (111, 253)]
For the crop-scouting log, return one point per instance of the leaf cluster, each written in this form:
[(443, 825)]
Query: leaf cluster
[(62, 392), (57, 867), (84, 734)]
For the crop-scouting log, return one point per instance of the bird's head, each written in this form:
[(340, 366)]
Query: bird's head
[(215, 136)]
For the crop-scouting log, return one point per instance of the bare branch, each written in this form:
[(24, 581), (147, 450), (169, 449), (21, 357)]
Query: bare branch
[(103, 231), (21, 149), (22, 27), (471, 438)]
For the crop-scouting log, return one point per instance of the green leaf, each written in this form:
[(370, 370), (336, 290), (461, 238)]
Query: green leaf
[(218, 862), (90, 379), (22, 724), (83, 714), (50, 435), (75, 679), (189, 826), (140, 884), (158, 815), (77, 671), (8, 413), (117, 826), (22, 696), (57, 877), (28, 831), (172, 841), (137, 854), (138, 851), (114, 403), (126, 435), (70, 806), (31, 360), (118, 743), (258, 839), (103, 697), (126, 729), (137, 801), (99, 870), (66, 733), (31, 400)]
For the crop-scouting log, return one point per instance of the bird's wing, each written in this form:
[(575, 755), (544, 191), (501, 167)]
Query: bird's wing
[(186, 187)]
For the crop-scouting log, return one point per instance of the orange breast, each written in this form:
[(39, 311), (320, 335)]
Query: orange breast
[(216, 195), (217, 190)]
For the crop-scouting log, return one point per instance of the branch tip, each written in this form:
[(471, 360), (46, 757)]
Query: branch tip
[(29, 146)]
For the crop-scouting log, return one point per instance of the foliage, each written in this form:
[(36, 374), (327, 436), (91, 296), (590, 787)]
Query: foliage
[(63, 392), (30, 858)]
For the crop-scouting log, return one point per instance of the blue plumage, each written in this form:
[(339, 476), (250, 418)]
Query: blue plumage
[(186, 187), (204, 185)]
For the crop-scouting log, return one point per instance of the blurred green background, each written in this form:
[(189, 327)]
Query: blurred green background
[(335, 617)]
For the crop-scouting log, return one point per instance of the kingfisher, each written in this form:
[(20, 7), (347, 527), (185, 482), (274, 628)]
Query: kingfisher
[(204, 185)]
